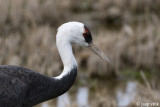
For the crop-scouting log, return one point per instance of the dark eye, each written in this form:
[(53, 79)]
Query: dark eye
[(87, 35)]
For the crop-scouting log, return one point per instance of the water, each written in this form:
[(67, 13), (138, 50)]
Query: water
[(45, 104), (64, 100), (120, 93), (124, 98), (81, 100), (82, 97)]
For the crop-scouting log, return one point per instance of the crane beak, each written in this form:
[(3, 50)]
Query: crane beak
[(94, 48)]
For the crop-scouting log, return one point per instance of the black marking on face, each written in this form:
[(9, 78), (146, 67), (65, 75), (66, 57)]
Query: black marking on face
[(87, 35)]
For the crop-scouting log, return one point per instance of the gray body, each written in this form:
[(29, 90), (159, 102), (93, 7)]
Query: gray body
[(20, 87)]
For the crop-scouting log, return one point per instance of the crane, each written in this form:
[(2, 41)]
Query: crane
[(21, 87)]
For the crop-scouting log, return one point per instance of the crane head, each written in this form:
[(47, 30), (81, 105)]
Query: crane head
[(78, 33)]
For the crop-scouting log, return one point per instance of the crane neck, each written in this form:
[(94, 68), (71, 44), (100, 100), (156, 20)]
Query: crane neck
[(67, 57), (55, 86)]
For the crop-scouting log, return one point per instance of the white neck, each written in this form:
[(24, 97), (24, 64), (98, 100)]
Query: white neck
[(66, 54)]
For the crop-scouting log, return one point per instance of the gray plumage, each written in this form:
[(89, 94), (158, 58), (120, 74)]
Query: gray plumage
[(21, 87)]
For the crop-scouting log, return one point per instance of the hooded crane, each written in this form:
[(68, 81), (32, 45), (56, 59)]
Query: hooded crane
[(21, 87)]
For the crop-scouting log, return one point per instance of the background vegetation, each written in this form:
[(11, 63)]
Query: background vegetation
[(128, 31)]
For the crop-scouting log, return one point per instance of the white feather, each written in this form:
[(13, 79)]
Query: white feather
[(68, 33)]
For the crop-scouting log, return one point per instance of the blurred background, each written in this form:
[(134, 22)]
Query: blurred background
[(128, 31)]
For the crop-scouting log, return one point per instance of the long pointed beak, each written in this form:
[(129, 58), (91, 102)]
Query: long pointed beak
[(94, 48)]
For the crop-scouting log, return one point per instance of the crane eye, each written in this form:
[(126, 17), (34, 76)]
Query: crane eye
[(87, 35)]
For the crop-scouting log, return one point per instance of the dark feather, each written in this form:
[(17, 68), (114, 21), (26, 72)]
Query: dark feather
[(20, 87)]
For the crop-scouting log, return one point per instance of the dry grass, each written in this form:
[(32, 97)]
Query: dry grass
[(144, 96), (28, 29), (136, 48), (127, 31)]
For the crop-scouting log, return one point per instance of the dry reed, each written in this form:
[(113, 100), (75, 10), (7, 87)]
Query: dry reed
[(28, 29)]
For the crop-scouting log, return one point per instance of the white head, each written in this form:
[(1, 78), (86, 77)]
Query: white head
[(74, 33), (77, 33)]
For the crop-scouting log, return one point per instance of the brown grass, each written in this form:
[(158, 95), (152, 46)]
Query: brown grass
[(127, 31), (133, 47), (28, 29)]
